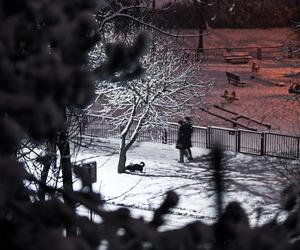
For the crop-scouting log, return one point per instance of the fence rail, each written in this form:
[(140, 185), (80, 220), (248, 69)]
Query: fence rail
[(237, 140), (260, 53)]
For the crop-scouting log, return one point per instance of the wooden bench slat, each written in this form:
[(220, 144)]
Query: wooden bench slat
[(234, 79), (237, 57)]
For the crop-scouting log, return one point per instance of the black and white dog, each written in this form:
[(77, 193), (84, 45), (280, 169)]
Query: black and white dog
[(135, 167)]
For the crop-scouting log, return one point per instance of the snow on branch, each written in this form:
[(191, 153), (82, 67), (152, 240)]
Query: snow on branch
[(168, 89)]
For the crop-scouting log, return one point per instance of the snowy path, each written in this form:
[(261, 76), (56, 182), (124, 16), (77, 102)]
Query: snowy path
[(248, 179)]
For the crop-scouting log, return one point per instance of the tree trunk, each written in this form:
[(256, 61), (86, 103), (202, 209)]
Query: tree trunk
[(202, 25), (44, 175), (200, 46), (153, 4), (46, 167), (66, 167), (124, 148), (122, 161)]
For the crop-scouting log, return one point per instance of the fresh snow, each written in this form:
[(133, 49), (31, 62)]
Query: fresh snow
[(248, 179)]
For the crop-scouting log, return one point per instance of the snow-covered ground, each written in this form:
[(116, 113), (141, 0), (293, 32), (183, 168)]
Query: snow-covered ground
[(262, 98), (250, 180)]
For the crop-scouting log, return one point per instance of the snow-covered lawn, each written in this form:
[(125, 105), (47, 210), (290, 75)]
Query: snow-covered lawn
[(249, 180), (268, 88)]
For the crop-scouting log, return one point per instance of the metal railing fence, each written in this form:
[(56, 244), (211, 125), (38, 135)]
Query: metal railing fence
[(237, 140), (259, 53)]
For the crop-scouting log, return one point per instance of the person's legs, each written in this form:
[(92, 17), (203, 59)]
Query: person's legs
[(181, 153), (186, 153), (190, 157)]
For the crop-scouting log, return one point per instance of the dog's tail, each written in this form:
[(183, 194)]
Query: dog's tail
[(142, 163)]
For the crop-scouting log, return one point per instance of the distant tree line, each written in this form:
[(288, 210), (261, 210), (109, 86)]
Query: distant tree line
[(229, 14)]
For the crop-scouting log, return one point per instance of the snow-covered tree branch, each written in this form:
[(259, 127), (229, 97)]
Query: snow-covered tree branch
[(167, 91)]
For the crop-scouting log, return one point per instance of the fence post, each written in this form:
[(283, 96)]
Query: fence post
[(208, 134), (165, 136), (259, 53), (238, 141), (297, 147), (262, 143)]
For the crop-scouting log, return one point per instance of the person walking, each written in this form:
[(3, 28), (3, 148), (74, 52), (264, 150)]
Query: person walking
[(188, 133), (182, 141)]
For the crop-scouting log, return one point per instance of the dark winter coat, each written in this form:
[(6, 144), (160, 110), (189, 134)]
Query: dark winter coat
[(184, 137), (188, 132)]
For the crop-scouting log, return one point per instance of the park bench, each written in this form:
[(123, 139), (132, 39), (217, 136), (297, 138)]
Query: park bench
[(235, 80), (237, 57)]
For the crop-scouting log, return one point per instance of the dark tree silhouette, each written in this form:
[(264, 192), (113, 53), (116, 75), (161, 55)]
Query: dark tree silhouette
[(44, 49), (43, 46)]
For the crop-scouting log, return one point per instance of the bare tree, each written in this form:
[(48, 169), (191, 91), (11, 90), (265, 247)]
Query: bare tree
[(169, 89), (43, 159)]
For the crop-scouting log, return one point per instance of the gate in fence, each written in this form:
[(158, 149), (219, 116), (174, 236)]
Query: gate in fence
[(237, 140)]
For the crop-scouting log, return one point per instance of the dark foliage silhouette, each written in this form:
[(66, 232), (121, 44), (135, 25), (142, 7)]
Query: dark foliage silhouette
[(43, 47)]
